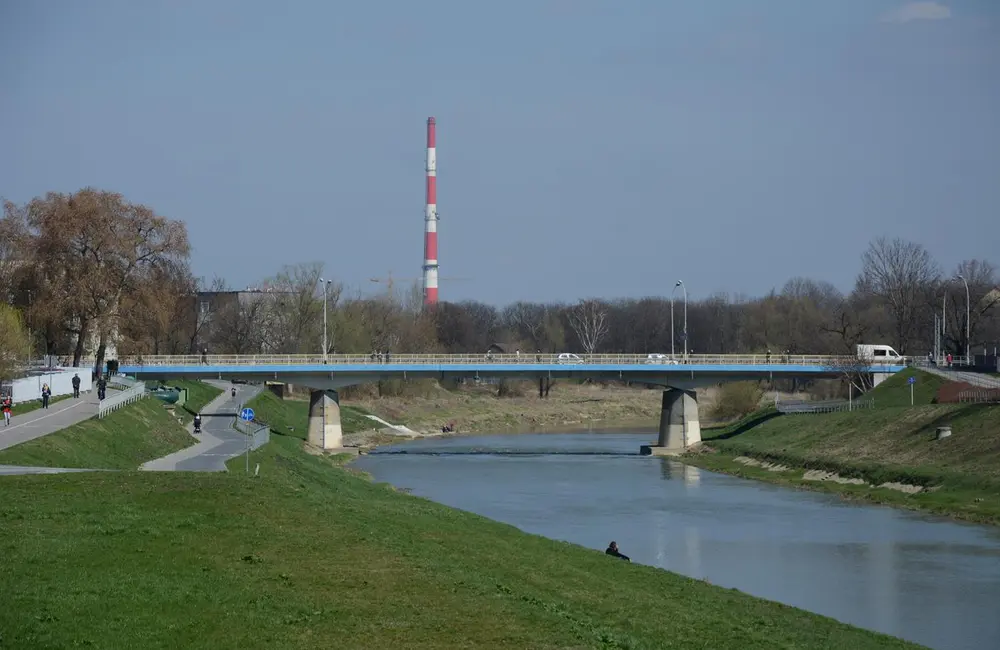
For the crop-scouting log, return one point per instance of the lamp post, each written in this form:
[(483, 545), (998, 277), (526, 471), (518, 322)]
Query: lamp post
[(968, 314), (680, 283), (325, 283)]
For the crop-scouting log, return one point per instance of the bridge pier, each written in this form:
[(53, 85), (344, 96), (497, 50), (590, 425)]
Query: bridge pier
[(325, 431), (679, 424)]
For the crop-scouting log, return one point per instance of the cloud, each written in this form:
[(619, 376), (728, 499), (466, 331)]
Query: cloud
[(917, 11)]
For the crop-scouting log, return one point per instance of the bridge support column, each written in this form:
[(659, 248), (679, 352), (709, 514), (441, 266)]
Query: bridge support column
[(325, 431), (679, 424)]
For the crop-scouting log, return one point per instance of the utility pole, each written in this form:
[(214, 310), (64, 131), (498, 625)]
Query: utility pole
[(680, 283), (326, 284), (968, 318)]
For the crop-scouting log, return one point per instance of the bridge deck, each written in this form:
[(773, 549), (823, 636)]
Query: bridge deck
[(417, 365)]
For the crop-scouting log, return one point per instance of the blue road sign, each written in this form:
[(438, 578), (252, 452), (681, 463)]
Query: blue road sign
[(911, 380), (247, 414)]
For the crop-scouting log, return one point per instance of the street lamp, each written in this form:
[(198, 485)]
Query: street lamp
[(680, 283), (325, 283), (968, 319)]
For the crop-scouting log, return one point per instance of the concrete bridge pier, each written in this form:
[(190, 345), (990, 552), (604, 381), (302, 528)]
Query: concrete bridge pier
[(679, 424), (325, 431)]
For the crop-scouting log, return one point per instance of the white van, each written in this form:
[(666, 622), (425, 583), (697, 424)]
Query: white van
[(883, 354)]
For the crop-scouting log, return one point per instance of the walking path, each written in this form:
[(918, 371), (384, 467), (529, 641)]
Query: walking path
[(218, 441), (42, 422), (974, 378)]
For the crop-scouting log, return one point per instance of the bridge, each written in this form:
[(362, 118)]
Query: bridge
[(325, 375)]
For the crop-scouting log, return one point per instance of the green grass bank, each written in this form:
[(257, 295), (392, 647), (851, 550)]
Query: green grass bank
[(889, 451), (199, 394), (124, 439), (310, 555)]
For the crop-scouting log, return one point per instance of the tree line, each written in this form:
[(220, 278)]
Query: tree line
[(87, 270)]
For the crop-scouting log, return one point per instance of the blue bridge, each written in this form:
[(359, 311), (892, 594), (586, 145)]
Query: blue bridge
[(680, 376)]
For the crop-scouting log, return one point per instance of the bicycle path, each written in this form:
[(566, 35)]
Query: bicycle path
[(218, 441), (42, 422)]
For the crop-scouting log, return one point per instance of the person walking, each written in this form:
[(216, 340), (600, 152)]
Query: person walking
[(102, 387), (8, 406), (76, 385), (46, 393)]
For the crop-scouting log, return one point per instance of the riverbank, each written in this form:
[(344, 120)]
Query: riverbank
[(307, 554), (889, 454), (478, 409)]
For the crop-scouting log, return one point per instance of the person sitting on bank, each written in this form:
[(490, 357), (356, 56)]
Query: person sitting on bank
[(613, 550)]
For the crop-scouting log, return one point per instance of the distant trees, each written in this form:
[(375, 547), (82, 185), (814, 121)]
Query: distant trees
[(14, 342), (901, 274), (89, 270), (83, 257)]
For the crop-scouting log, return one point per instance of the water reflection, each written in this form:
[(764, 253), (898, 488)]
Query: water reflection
[(933, 582)]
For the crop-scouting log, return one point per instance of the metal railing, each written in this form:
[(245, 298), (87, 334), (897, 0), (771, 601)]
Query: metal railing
[(258, 433), (482, 359), (825, 406), (979, 396), (132, 394)]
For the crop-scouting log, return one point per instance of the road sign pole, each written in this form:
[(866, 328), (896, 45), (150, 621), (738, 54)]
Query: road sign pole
[(911, 381), (247, 415)]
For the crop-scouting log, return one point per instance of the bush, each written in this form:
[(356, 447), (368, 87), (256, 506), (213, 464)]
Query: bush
[(737, 399)]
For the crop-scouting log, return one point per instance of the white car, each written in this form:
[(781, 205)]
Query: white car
[(569, 357), (661, 359)]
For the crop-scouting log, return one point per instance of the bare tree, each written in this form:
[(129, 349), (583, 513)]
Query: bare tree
[(527, 320), (589, 320), (856, 371), (900, 273), (984, 302), (296, 312)]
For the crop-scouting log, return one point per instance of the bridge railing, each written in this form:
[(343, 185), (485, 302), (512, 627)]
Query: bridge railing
[(478, 359), (133, 394)]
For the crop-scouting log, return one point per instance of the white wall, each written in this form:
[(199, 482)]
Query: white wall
[(60, 381)]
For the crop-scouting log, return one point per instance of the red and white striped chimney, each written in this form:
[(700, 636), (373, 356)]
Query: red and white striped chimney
[(430, 220)]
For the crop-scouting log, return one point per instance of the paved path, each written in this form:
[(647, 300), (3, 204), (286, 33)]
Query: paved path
[(975, 378), (13, 470), (218, 441), (42, 422)]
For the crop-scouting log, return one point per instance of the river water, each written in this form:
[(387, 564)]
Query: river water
[(931, 581)]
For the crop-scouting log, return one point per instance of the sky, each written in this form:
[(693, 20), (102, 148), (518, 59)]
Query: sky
[(586, 148)]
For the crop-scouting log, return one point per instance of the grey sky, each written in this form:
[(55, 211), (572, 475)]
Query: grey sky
[(585, 147)]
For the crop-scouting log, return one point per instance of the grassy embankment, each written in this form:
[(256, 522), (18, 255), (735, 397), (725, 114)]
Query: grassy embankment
[(477, 409), (891, 446), (309, 555), (199, 394), (125, 439)]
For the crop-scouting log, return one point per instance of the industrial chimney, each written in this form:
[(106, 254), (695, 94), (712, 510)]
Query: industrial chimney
[(430, 220)]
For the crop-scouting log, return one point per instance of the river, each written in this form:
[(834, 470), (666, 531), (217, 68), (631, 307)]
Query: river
[(931, 581)]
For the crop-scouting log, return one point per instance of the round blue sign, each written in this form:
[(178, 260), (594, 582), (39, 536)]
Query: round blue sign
[(911, 380), (247, 414)]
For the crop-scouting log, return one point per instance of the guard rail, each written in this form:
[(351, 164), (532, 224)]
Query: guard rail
[(480, 359), (133, 394)]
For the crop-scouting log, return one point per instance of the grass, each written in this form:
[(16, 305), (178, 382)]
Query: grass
[(309, 555), (887, 444), (478, 409), (199, 394), (34, 405), (895, 391), (291, 416), (125, 439)]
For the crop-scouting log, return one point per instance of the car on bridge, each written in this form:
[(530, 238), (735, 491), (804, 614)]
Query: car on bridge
[(569, 357), (661, 359)]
